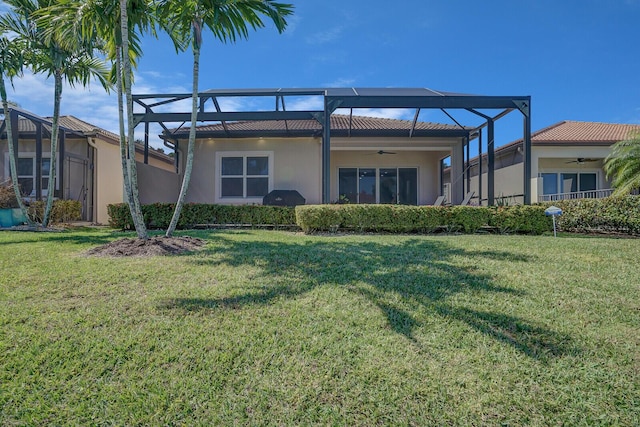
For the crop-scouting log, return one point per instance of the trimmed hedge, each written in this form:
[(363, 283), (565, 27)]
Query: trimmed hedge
[(158, 215), (422, 219), (62, 211), (608, 215)]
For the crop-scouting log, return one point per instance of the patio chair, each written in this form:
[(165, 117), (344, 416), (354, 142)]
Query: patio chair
[(467, 198)]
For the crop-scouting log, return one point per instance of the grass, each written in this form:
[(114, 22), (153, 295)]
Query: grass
[(276, 328)]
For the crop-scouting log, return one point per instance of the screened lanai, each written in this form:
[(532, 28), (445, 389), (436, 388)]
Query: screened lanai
[(289, 106)]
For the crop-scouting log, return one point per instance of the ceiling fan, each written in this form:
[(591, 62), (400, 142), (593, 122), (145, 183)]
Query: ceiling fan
[(581, 160)]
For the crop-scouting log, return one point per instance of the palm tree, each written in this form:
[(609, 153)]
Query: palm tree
[(227, 20), (118, 27), (622, 165), (11, 60), (74, 63)]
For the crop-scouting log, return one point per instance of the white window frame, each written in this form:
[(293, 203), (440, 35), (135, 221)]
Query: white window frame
[(32, 155), (559, 172), (244, 154), (377, 169)]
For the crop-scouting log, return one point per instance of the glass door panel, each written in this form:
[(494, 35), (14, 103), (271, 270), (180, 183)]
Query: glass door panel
[(549, 183), (348, 185), (408, 186), (587, 181), (389, 186), (367, 186)]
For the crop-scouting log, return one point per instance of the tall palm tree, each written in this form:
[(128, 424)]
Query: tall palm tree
[(227, 20), (622, 165), (11, 61), (73, 63), (118, 27)]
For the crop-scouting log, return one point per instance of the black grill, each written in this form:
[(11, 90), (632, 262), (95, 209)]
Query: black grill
[(283, 198)]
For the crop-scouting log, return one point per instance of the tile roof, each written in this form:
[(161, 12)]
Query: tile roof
[(72, 123), (338, 123), (80, 128), (582, 133)]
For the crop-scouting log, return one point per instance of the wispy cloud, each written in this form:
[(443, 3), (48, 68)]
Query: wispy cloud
[(92, 104), (326, 36), (385, 113), (341, 82)]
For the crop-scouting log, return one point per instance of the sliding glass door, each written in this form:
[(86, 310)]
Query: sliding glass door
[(383, 185)]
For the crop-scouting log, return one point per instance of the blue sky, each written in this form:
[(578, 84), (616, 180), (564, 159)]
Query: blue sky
[(578, 59)]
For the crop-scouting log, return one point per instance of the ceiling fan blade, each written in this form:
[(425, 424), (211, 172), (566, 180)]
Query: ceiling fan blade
[(581, 160)]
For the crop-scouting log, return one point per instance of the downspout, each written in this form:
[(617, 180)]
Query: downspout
[(94, 180)]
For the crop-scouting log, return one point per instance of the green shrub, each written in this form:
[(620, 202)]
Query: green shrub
[(468, 219), (529, 219), (158, 215), (423, 219), (611, 214), (62, 211), (313, 218), (8, 197)]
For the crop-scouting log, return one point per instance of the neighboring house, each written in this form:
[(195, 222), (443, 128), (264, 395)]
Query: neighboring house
[(88, 163), (373, 160), (566, 163)]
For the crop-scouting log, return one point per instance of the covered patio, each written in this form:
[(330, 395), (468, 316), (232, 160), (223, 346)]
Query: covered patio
[(319, 104)]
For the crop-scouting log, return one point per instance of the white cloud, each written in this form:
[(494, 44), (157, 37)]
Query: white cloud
[(326, 36), (305, 103), (341, 82), (385, 113), (92, 104)]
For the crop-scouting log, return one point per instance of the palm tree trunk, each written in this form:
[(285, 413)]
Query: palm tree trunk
[(186, 179), (123, 136), (12, 154), (55, 128), (134, 200)]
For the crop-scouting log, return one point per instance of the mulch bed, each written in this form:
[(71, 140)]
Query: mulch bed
[(154, 246)]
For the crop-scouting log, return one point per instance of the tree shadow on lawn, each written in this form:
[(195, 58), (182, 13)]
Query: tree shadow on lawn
[(400, 279)]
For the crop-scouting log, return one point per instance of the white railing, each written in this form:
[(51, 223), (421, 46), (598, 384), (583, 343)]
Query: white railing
[(591, 194)]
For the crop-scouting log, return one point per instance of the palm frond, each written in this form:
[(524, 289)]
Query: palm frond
[(622, 165)]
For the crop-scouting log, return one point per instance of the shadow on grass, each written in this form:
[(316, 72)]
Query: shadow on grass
[(400, 279)]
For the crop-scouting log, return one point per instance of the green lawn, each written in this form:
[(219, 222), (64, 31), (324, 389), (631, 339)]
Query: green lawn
[(278, 328)]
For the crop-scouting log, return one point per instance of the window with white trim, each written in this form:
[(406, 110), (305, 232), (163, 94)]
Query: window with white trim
[(244, 175)]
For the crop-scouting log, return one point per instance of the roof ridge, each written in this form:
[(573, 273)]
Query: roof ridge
[(548, 128)]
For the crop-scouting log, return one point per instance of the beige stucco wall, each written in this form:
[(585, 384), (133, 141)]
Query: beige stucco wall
[(157, 185), (108, 177), (296, 166), (508, 183), (298, 163), (109, 183)]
